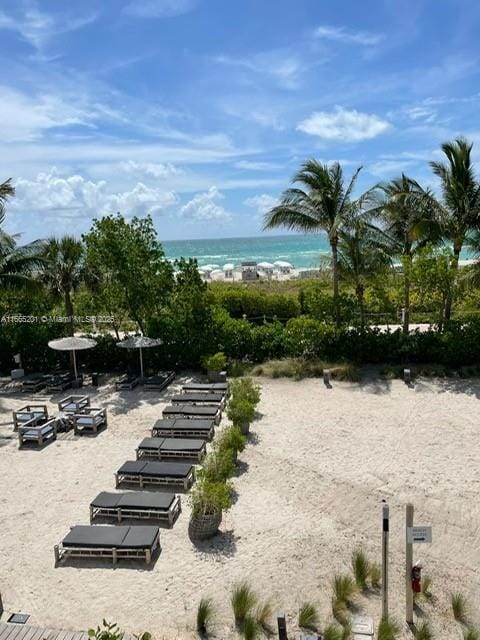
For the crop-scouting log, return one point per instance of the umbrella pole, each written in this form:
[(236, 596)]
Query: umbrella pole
[(141, 363), (75, 364)]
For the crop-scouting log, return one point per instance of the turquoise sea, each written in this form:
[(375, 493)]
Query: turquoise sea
[(300, 250)]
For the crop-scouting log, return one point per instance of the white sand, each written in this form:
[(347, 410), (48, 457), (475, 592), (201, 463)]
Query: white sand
[(309, 491)]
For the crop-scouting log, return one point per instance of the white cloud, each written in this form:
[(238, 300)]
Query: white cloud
[(204, 206), (38, 28), (262, 203), (282, 65), (158, 8), (252, 165), (341, 34), (344, 125), (74, 195), (152, 169)]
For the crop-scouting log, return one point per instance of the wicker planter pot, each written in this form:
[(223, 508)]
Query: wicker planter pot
[(216, 376), (204, 527)]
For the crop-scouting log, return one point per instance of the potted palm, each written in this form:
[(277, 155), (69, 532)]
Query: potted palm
[(215, 366), (241, 412), (208, 501)]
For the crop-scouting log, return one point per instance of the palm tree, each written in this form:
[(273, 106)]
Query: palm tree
[(409, 221), (18, 264), (459, 208), (362, 255), (7, 190), (63, 271), (324, 205)]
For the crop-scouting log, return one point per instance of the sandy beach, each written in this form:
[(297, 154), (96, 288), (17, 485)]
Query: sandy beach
[(308, 491)]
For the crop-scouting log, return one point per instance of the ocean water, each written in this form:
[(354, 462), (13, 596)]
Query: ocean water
[(302, 251)]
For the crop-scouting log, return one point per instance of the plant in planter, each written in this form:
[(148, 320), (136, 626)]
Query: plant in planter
[(245, 388), (233, 440), (219, 465), (241, 412), (208, 501), (215, 366)]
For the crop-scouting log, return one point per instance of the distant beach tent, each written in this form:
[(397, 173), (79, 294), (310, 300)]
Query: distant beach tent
[(266, 268), (72, 344), (228, 270), (282, 266), (249, 270), (140, 342)]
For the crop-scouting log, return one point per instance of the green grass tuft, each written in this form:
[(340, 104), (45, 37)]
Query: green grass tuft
[(361, 568), (299, 368), (344, 588), (243, 600), (427, 587), (423, 631), (459, 607), (250, 628), (471, 633), (333, 632), (263, 615), (375, 575), (308, 616), (205, 615), (388, 629)]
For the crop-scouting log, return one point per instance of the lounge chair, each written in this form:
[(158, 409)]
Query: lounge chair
[(143, 473), (74, 404), (32, 413), (205, 387), (33, 383), (59, 381), (159, 381), (37, 434), (141, 505), (105, 541), (200, 398), (91, 419), (127, 381), (184, 428), (206, 412), (172, 448)]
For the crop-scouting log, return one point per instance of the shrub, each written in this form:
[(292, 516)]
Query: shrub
[(375, 575), (459, 607), (423, 631), (243, 600), (205, 615), (207, 498), (231, 439), (263, 615), (299, 368), (245, 389), (426, 587), (471, 633), (361, 568), (308, 616), (218, 466), (333, 632), (240, 411), (111, 631), (216, 362), (388, 629)]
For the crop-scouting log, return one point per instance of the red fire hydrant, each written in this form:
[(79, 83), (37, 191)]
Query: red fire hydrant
[(417, 578)]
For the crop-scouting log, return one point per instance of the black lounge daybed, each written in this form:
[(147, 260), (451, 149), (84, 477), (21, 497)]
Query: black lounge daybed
[(142, 505), (59, 381), (159, 381), (206, 412), (205, 387), (172, 448), (200, 398), (127, 381), (106, 541), (34, 382), (142, 473), (184, 428)]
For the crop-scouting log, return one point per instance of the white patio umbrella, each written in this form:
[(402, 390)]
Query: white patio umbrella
[(283, 265), (72, 344), (265, 265), (228, 267), (140, 342)]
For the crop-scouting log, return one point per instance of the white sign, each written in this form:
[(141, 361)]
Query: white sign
[(419, 534)]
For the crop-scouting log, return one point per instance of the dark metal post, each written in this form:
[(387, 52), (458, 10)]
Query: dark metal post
[(282, 626)]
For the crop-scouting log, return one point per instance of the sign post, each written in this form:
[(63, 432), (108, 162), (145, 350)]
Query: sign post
[(385, 533), (408, 564)]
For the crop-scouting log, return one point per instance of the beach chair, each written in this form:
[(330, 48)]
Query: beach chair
[(184, 428), (142, 473), (37, 434), (33, 383), (172, 449), (91, 419), (200, 398), (206, 412), (59, 381), (127, 381), (32, 413), (74, 404), (104, 541), (159, 381), (141, 505), (206, 387)]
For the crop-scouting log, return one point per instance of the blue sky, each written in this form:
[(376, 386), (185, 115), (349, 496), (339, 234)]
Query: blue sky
[(200, 111)]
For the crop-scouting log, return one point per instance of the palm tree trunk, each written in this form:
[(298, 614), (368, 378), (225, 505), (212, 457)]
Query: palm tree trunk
[(69, 312), (335, 275), (406, 296), (449, 298), (359, 290)]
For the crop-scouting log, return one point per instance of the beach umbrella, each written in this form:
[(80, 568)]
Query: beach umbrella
[(265, 265), (213, 267), (72, 344), (228, 267), (140, 342), (283, 265)]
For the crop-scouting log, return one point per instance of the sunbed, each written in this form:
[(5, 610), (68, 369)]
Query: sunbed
[(200, 398), (106, 541), (159, 381), (33, 383), (126, 382), (37, 434), (141, 505), (205, 387), (74, 404), (91, 419), (31, 413), (184, 428), (59, 381), (207, 412), (143, 473), (172, 449)]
